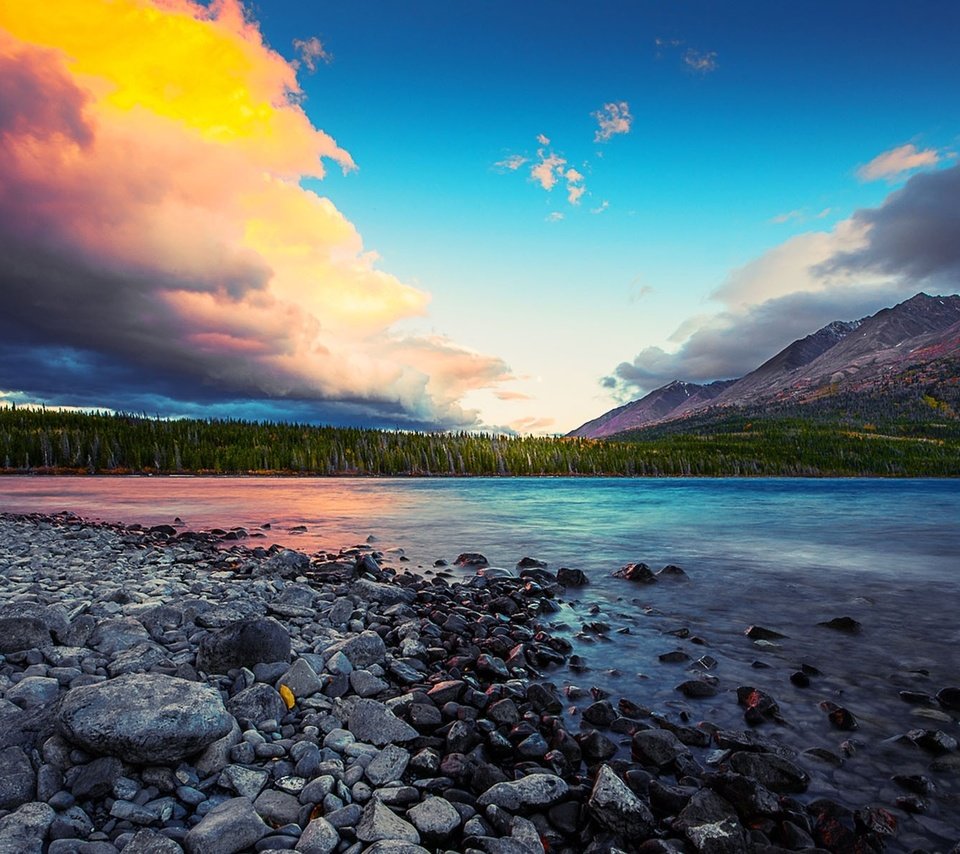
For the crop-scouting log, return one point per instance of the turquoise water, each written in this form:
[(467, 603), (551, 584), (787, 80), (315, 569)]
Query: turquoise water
[(782, 553)]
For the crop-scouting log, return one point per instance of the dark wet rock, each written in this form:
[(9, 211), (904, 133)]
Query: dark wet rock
[(277, 808), (373, 722), (147, 841), (773, 772), (257, 703), (571, 577), (470, 559), (543, 697), (24, 830), (696, 689), (920, 698), (656, 748), (143, 718), (758, 705), (915, 783), (639, 572), (761, 633), (243, 643), (800, 679), (17, 779), (228, 828), (386, 594), (676, 656), (840, 717), (388, 765), (672, 571), (843, 624), (936, 742), (596, 747), (745, 794), (824, 755), (318, 837), (531, 563), (949, 698), (600, 714), (362, 650), (285, 563), (378, 822), (615, 807), (532, 791)]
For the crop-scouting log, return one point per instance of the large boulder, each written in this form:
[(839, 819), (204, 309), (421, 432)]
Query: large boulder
[(534, 790), (243, 643), (27, 632), (143, 718), (24, 831)]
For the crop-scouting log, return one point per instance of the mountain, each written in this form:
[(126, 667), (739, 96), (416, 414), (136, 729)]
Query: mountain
[(859, 356)]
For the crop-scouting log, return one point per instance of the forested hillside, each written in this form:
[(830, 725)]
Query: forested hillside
[(50, 441)]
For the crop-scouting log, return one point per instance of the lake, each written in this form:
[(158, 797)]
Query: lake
[(783, 553)]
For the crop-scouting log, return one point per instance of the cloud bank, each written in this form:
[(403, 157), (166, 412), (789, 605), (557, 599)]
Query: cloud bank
[(877, 257), (157, 245)]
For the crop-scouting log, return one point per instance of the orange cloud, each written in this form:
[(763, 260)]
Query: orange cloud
[(150, 160)]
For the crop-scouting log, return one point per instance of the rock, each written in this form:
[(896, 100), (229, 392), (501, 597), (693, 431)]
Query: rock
[(936, 742), (394, 846), (302, 679), (33, 691), (720, 837), (760, 633), (532, 791), (379, 822), (318, 837), (26, 632), (362, 650), (286, 563), (143, 718), (113, 636), (672, 571), (243, 643), (617, 808), (228, 828), (842, 624), (388, 765), (470, 559), (373, 722), (949, 698), (571, 577), (17, 779), (774, 772), (435, 818), (640, 572), (23, 831), (656, 748), (260, 702), (148, 841), (385, 594), (365, 684), (697, 689), (840, 717), (277, 808), (96, 779), (246, 782)]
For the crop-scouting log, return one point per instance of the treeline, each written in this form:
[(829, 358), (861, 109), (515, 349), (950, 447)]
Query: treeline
[(51, 441)]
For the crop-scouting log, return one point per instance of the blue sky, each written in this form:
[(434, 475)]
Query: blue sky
[(743, 153)]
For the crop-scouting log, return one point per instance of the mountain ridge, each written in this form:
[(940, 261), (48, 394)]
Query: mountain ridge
[(853, 355)]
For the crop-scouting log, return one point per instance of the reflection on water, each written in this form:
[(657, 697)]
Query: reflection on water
[(780, 553)]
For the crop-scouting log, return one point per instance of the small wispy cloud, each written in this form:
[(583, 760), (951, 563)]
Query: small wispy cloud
[(703, 62), (554, 216), (895, 162), (548, 169), (543, 139), (511, 163), (575, 187), (512, 395), (799, 215), (613, 119), (599, 209), (311, 53), (532, 424)]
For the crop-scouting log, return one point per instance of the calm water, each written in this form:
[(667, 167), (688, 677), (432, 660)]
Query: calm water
[(783, 553)]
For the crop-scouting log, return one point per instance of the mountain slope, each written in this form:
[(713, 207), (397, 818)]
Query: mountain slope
[(857, 356)]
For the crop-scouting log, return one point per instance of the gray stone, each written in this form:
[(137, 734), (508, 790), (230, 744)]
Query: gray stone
[(71, 823), (97, 778), (148, 841), (113, 636), (286, 563), (385, 594), (365, 684), (302, 679), (23, 831), (318, 837), (388, 765), (143, 718), (138, 659), (380, 822), (656, 747), (434, 818), (394, 846), (34, 691), (17, 780), (341, 611), (372, 722), (277, 808), (246, 782), (216, 756), (534, 790), (228, 828), (617, 808), (19, 633), (243, 643), (776, 773), (339, 665), (259, 702), (362, 650)]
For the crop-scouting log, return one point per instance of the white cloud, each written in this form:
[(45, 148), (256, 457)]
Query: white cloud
[(543, 139), (512, 163), (893, 163), (548, 169), (613, 119), (703, 62), (599, 209), (555, 216)]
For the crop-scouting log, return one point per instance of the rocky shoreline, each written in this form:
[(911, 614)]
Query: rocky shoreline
[(167, 691)]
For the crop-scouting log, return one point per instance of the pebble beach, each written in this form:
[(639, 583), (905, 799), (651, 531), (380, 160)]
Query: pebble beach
[(168, 691)]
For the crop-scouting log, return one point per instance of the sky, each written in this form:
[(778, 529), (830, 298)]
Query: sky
[(425, 215)]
